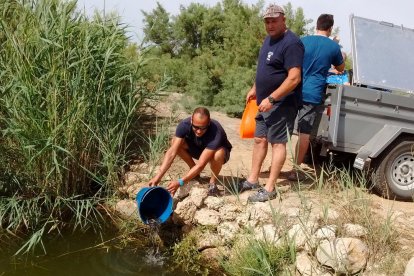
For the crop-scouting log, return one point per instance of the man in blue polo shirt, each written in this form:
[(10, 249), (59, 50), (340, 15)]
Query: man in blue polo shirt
[(277, 90), (320, 53), (196, 137)]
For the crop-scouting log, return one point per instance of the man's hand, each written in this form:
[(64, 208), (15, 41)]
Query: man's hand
[(265, 105), (251, 95), (154, 182), (173, 187)]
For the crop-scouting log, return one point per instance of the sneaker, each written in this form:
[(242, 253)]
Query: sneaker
[(262, 195), (246, 185), (213, 190), (296, 176)]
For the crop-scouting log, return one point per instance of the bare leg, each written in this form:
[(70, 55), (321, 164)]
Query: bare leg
[(278, 159), (183, 153), (216, 163), (259, 154), (302, 147)]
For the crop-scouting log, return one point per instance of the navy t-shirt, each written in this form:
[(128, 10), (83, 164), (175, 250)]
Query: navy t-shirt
[(214, 138), (276, 57)]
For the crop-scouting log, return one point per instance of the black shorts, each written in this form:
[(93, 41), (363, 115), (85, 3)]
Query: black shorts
[(196, 152), (308, 117), (276, 124)]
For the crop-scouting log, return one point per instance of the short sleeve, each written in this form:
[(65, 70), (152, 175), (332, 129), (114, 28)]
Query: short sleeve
[(294, 55)]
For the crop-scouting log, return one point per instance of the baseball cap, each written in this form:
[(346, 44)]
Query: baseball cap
[(273, 10)]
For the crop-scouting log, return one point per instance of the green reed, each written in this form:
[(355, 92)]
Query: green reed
[(71, 90)]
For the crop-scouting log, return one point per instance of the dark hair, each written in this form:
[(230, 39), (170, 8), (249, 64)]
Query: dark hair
[(325, 21), (202, 111)]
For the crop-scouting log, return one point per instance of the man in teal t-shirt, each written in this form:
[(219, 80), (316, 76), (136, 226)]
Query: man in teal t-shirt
[(321, 53)]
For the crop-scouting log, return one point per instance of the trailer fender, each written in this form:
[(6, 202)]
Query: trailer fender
[(378, 144)]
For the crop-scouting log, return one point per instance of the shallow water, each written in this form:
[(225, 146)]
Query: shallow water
[(78, 255)]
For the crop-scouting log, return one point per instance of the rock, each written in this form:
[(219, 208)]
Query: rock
[(228, 230), (207, 217), (344, 255), (131, 178), (208, 240), (259, 212), (291, 212), (354, 230), (140, 167), (328, 215), (267, 233), (197, 195), (301, 233), (409, 269), (214, 203), (229, 212), (308, 267), (327, 232), (184, 212), (210, 256), (127, 209)]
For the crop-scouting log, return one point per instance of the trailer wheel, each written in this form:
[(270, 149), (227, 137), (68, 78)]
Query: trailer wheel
[(393, 174)]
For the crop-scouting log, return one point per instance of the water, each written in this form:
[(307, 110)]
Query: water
[(78, 254)]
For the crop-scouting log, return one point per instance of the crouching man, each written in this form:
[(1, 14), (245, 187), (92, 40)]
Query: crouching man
[(196, 137)]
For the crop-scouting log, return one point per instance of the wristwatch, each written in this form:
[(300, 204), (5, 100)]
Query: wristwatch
[(271, 100)]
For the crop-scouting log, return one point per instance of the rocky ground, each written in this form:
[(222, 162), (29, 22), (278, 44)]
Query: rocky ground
[(334, 230)]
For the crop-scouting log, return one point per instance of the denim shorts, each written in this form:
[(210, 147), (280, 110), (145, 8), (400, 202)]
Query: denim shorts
[(276, 124)]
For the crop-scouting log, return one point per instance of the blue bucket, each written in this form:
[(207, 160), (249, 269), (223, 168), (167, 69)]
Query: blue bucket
[(154, 203)]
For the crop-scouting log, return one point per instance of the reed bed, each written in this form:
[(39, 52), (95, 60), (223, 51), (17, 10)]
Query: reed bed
[(71, 91)]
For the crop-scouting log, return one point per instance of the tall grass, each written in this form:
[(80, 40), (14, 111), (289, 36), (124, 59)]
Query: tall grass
[(71, 90)]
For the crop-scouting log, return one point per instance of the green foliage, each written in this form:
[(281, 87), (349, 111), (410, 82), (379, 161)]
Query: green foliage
[(213, 50), (186, 256), (258, 258), (71, 91)]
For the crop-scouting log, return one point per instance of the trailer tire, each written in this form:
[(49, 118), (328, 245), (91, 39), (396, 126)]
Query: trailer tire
[(393, 171)]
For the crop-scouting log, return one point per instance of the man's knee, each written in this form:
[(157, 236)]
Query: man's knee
[(262, 141), (220, 156)]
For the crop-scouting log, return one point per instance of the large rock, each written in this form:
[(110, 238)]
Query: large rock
[(308, 267), (197, 195), (184, 212), (127, 209), (229, 212), (344, 255), (207, 217), (355, 230), (228, 230)]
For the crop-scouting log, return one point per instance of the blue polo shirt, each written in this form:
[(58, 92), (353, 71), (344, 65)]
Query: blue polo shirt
[(276, 57)]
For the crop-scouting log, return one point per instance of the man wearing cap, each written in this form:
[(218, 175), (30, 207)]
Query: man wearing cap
[(277, 90), (196, 137), (321, 53)]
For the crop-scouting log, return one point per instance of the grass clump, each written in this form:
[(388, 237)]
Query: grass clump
[(186, 256), (258, 258)]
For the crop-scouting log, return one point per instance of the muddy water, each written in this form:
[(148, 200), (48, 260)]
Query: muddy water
[(78, 254)]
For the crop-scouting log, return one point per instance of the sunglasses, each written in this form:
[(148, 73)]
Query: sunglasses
[(199, 127)]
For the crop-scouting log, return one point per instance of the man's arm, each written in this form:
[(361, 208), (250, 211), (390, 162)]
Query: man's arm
[(167, 161), (205, 157), (288, 85)]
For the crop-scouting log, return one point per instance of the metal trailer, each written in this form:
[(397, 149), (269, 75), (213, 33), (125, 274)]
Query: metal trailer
[(374, 118)]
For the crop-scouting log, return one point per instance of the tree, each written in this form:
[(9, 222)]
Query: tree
[(158, 29)]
